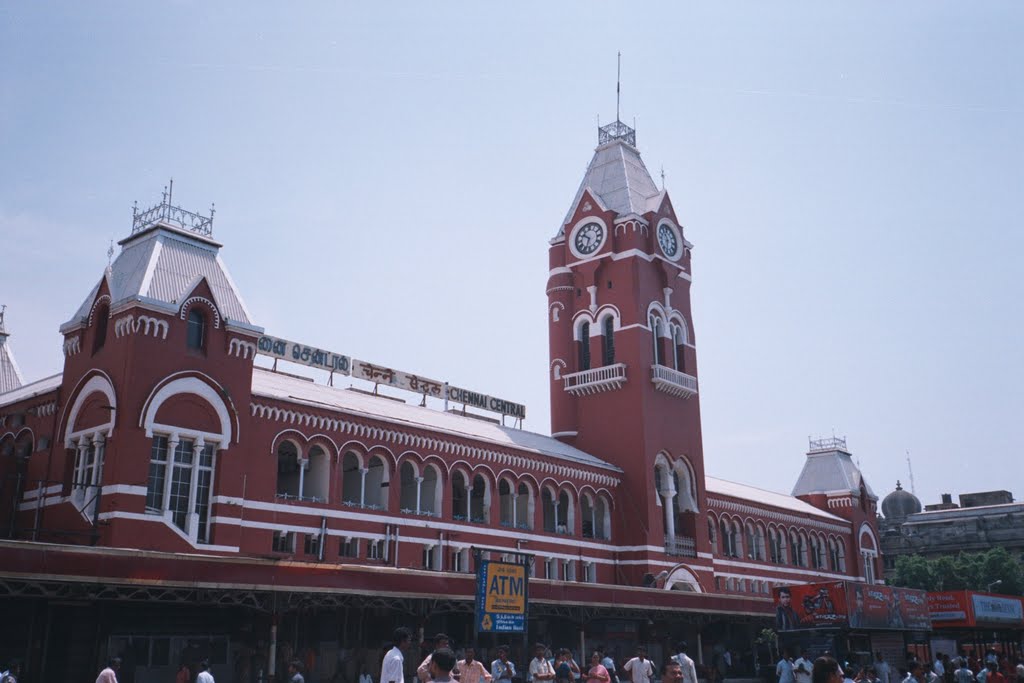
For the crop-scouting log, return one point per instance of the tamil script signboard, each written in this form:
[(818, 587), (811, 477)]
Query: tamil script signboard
[(501, 597), (303, 355)]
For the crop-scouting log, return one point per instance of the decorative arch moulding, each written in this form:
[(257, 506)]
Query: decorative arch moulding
[(406, 439), (776, 515)]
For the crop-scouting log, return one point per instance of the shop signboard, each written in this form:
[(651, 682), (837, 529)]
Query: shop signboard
[(847, 604), (997, 609)]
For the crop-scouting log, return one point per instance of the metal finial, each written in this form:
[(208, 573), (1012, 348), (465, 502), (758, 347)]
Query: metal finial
[(164, 194), (170, 192), (135, 208), (110, 253), (213, 210), (3, 309), (663, 177)]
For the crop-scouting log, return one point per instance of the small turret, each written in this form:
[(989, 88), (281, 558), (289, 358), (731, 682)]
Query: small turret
[(10, 375)]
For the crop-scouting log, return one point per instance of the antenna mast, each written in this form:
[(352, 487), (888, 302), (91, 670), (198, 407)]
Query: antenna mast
[(618, 88), (910, 469)]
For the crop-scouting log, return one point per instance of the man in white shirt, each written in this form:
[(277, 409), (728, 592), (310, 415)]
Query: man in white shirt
[(803, 666), (204, 673), (392, 668), (639, 668), (540, 667), (937, 668), (686, 665)]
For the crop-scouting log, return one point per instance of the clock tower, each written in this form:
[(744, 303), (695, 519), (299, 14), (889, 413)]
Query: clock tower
[(623, 363)]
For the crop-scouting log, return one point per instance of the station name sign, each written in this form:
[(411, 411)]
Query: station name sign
[(339, 363), (485, 402)]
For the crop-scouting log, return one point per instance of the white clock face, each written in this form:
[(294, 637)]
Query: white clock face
[(589, 238), (668, 241)]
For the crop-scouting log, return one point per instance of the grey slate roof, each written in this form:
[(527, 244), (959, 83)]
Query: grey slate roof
[(618, 177), (294, 390), (162, 266), (828, 471), (10, 375)]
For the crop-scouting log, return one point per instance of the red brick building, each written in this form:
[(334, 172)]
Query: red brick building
[(164, 494)]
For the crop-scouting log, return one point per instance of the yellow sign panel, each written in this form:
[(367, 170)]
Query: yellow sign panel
[(505, 588)]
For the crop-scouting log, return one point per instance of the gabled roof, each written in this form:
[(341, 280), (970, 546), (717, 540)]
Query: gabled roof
[(290, 389), (830, 471), (776, 500), (162, 266), (617, 176)]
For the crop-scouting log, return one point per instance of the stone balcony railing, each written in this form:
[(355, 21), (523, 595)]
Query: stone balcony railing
[(673, 382), (596, 380), (680, 546)]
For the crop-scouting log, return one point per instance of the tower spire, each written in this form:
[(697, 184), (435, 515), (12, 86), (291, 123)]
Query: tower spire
[(10, 375)]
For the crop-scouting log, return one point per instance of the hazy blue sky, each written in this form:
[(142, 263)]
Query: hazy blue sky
[(387, 176)]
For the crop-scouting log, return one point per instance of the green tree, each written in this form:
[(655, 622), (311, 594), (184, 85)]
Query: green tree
[(999, 565), (914, 571), (947, 574)]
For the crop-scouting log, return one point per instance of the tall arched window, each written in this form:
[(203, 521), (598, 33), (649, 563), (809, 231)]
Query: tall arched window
[(460, 497), (608, 341), (678, 357), (353, 481), (317, 482), (196, 332), (376, 478), (289, 471), (479, 501), (566, 519), (833, 555), (656, 334), (524, 507), (584, 347), (550, 510), (587, 513), (506, 504), (712, 536)]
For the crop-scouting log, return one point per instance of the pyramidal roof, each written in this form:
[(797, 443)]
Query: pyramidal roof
[(160, 266), (10, 374), (617, 176), (830, 468)]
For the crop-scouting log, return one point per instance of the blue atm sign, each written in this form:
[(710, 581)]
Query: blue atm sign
[(500, 597)]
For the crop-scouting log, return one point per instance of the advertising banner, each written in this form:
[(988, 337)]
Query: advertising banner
[(950, 608), (500, 597), (847, 604)]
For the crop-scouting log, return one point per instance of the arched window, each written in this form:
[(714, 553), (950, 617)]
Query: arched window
[(678, 349), (656, 334), (100, 333), (289, 471), (778, 546), (737, 539), (430, 492), (353, 481), (376, 478), (712, 536), (608, 341), (566, 520), (795, 549), (584, 347), (506, 504), (316, 484), (460, 497), (759, 543), (479, 501), (833, 555), (549, 509), (587, 513), (196, 332), (524, 507), (602, 521), (751, 541)]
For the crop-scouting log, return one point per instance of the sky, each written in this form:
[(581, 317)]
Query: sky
[(387, 177)]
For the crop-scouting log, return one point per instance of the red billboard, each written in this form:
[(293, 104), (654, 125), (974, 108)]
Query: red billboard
[(847, 604)]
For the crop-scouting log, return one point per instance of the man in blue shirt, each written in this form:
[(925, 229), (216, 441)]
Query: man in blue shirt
[(784, 669)]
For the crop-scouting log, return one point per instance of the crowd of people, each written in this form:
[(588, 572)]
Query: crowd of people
[(965, 669), (547, 665), (558, 666)]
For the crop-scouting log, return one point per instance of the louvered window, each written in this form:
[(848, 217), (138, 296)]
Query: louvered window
[(608, 342)]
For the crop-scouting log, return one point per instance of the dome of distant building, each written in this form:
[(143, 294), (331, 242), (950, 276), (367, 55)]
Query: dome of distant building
[(900, 504)]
